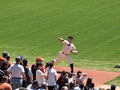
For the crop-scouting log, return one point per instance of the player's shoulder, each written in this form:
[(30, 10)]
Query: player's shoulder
[(66, 41)]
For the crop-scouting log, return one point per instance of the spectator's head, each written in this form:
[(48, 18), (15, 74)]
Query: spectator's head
[(6, 55), (51, 64), (72, 84), (39, 59), (5, 79), (76, 88), (63, 73), (113, 87), (82, 86), (25, 62), (39, 65), (18, 59), (35, 84), (44, 86), (79, 73), (70, 75), (64, 88), (21, 59)]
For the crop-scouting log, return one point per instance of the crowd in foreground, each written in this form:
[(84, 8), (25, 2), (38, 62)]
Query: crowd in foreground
[(18, 76)]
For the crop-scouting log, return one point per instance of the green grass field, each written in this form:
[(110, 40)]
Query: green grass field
[(31, 27)]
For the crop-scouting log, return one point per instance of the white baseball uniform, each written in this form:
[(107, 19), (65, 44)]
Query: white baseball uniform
[(64, 53)]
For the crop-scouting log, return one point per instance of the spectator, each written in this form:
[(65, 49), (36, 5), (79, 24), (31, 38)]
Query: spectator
[(28, 72), (70, 77), (21, 59), (76, 88), (40, 76), (64, 88), (91, 86), (17, 74), (71, 85), (33, 86), (6, 55), (4, 83), (62, 80), (88, 82), (34, 68), (80, 78), (4, 67), (51, 77)]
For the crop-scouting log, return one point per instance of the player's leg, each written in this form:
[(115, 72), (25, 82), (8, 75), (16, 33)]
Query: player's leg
[(69, 59), (59, 57)]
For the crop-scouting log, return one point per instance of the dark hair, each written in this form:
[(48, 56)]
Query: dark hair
[(63, 72), (35, 82), (92, 85), (39, 64), (17, 59), (79, 72), (113, 87), (70, 75), (70, 37), (50, 64), (5, 54), (25, 62), (72, 84), (5, 78)]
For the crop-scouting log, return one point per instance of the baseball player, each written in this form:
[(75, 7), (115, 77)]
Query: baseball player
[(68, 47)]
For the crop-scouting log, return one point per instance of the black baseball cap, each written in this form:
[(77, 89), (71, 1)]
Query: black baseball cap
[(39, 64)]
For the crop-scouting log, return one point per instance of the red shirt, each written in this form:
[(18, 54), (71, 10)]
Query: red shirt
[(5, 86)]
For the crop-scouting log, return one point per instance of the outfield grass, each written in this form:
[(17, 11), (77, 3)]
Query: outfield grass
[(30, 28), (116, 82)]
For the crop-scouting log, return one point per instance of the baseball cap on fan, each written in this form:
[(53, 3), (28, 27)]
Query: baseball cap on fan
[(38, 59)]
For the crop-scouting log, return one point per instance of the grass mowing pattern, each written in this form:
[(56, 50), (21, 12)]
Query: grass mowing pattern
[(31, 28), (116, 82)]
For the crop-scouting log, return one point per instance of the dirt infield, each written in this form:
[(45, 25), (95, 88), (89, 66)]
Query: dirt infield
[(98, 77)]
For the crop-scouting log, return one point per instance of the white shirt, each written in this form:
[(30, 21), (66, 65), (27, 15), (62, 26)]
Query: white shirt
[(40, 77), (16, 70), (68, 47), (30, 73), (51, 77), (80, 79)]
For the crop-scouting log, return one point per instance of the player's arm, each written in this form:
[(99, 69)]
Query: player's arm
[(84, 74), (60, 39), (23, 74), (75, 52)]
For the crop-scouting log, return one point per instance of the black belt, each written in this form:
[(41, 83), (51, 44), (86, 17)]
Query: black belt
[(16, 78), (64, 53)]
